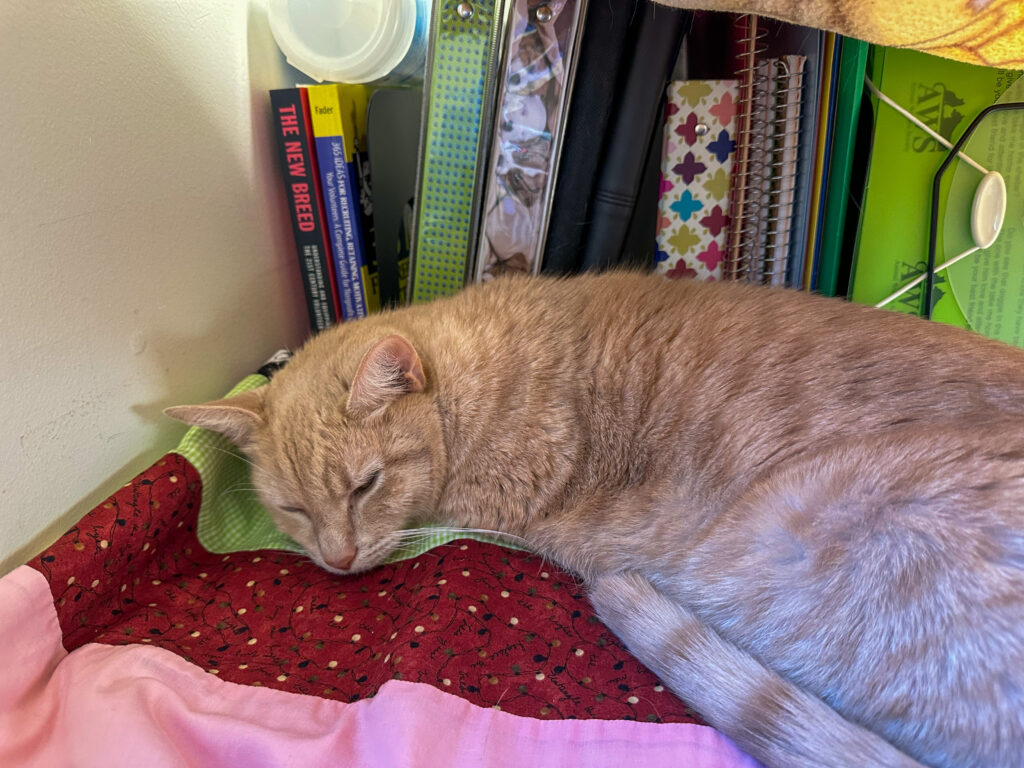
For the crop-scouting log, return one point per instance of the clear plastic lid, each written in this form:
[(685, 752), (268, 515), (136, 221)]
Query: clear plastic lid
[(346, 41)]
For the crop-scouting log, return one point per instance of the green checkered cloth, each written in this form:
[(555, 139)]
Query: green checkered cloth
[(231, 517)]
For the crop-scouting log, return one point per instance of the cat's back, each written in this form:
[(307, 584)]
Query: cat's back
[(780, 345), (724, 316), (726, 379)]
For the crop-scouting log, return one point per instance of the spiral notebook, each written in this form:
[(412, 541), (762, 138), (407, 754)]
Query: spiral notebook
[(763, 191)]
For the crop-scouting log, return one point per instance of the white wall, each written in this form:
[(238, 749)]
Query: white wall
[(145, 255)]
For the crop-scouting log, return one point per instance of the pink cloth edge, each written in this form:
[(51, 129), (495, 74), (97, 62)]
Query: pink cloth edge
[(139, 705)]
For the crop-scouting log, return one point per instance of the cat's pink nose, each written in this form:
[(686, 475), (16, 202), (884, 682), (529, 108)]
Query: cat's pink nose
[(344, 559)]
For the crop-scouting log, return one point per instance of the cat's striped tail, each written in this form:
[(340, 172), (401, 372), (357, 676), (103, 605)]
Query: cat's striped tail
[(768, 717)]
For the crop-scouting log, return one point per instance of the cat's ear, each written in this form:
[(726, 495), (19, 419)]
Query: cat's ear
[(237, 418), (388, 371)]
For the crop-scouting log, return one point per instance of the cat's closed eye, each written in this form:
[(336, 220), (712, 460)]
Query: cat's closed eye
[(294, 510), (364, 487)]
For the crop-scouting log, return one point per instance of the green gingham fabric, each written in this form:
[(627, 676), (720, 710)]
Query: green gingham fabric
[(231, 517)]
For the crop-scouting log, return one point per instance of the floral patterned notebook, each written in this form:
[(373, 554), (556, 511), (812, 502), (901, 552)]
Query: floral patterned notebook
[(697, 161)]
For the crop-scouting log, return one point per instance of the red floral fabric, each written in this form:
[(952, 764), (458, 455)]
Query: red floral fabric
[(497, 627)]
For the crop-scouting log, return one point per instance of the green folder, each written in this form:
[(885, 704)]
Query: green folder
[(892, 239), (853, 58)]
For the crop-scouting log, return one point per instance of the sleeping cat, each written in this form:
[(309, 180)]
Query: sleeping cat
[(806, 517)]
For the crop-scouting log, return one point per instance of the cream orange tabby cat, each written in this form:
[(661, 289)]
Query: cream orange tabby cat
[(806, 517)]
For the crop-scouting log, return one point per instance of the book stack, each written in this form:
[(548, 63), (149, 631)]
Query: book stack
[(321, 139), (756, 169), (734, 182)]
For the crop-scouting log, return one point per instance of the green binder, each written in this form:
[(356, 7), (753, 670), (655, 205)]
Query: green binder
[(460, 86), (853, 57), (892, 239)]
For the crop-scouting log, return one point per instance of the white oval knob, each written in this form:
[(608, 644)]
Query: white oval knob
[(988, 209)]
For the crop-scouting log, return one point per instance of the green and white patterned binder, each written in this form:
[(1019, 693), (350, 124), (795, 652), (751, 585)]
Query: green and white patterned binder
[(461, 81)]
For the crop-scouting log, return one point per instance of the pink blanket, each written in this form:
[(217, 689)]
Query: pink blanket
[(140, 705)]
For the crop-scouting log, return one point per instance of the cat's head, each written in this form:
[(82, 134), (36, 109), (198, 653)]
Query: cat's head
[(346, 447)]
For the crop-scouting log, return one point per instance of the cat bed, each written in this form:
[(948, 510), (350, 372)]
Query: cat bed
[(159, 631)]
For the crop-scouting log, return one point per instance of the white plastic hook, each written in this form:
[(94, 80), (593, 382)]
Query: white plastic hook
[(988, 210)]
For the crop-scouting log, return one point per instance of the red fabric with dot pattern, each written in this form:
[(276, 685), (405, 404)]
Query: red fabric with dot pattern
[(495, 626)]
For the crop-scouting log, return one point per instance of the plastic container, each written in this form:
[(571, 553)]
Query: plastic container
[(353, 41)]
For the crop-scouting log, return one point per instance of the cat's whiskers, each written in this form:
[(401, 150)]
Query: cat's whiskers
[(233, 454), (429, 532), (304, 557), (385, 546), (241, 457), (242, 487), (497, 704), (415, 537), (229, 491)]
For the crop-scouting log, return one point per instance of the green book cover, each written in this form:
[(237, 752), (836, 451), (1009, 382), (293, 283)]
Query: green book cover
[(892, 240), (852, 64)]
